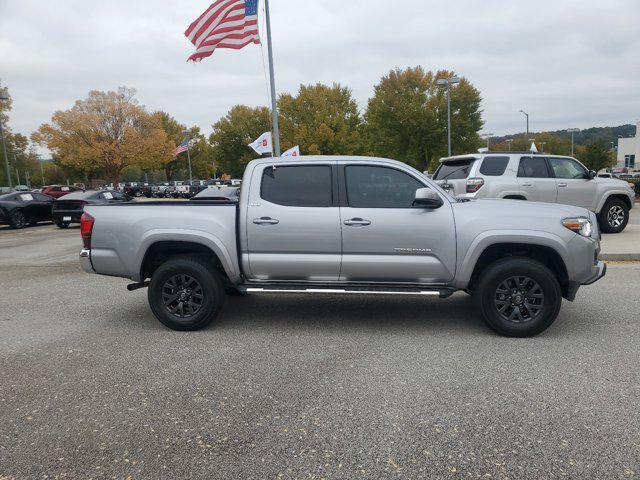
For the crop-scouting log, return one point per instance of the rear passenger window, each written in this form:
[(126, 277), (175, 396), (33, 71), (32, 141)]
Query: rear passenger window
[(494, 166), (533, 167), (297, 186)]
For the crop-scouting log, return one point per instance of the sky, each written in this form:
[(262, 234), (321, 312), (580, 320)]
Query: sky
[(568, 63)]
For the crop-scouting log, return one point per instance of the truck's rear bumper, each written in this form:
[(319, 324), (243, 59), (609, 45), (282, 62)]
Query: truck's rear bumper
[(85, 261)]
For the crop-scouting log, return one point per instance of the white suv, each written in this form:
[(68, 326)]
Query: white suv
[(538, 177)]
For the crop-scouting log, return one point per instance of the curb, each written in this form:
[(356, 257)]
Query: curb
[(620, 257)]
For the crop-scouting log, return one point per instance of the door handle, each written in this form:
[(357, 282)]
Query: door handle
[(562, 184), (526, 184), (265, 221), (357, 221)]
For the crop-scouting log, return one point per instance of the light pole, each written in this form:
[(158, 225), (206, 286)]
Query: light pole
[(572, 131), (41, 171), (526, 115), (487, 136), (448, 82), (186, 133), (509, 142), (4, 147)]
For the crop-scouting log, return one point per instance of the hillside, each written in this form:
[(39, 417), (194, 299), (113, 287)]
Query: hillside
[(584, 137)]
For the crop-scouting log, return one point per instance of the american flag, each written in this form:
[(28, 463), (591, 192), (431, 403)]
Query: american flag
[(183, 147), (225, 24)]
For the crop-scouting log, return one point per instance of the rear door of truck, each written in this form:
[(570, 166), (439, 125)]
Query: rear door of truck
[(293, 223)]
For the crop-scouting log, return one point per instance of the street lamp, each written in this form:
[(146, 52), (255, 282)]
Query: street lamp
[(509, 142), (572, 131), (448, 82), (526, 115), (4, 147), (487, 136), (186, 133)]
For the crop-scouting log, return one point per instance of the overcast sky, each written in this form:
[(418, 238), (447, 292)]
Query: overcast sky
[(568, 63)]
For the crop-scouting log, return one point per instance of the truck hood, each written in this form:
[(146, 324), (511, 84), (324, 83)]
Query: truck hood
[(502, 214)]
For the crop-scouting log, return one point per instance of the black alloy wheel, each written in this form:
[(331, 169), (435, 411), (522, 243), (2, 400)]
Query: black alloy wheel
[(17, 219)]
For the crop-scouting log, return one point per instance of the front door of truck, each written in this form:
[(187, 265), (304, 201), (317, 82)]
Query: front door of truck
[(293, 223), (575, 185), (387, 239)]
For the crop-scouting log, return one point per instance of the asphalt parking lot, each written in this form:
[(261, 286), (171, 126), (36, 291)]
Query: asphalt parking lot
[(92, 386)]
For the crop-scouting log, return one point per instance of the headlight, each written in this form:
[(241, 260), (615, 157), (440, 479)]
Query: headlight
[(579, 225)]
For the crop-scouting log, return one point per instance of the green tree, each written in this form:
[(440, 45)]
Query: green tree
[(323, 120), (598, 155), (232, 134), (406, 118)]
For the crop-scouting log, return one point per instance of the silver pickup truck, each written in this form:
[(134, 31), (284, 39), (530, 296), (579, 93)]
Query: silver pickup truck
[(346, 225)]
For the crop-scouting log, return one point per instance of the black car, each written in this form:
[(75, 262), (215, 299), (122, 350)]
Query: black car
[(21, 208), (68, 209)]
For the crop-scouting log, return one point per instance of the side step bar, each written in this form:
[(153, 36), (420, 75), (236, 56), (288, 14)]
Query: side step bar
[(439, 292)]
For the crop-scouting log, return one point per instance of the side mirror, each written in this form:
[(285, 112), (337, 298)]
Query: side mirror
[(427, 198), (592, 174)]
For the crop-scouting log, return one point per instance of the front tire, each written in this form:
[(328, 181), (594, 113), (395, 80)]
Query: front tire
[(185, 293), (518, 297), (17, 220), (614, 216)]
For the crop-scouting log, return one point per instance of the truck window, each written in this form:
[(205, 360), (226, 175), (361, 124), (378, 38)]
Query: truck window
[(533, 167), (567, 168), (298, 186), (493, 166), (454, 170), (380, 187)]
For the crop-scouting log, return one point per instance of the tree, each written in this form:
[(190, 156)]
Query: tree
[(406, 118), (598, 155), (232, 134), (106, 132), (323, 120)]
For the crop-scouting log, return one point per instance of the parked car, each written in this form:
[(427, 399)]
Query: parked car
[(57, 191), (21, 208), (540, 178), (136, 190), (21, 188), (347, 225), (68, 209), (218, 193)]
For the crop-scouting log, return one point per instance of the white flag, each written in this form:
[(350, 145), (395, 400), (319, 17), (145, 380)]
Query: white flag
[(533, 147), (262, 144), (292, 152)]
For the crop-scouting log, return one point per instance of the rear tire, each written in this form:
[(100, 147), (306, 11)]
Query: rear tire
[(518, 297), (185, 293), (17, 220), (614, 216)]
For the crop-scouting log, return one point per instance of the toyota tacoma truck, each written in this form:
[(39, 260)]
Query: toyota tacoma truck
[(346, 225)]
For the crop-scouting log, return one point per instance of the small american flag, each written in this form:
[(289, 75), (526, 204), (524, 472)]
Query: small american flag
[(225, 24), (183, 147)]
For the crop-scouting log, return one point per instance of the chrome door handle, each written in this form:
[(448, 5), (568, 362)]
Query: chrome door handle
[(562, 184), (357, 221), (526, 184), (265, 221)]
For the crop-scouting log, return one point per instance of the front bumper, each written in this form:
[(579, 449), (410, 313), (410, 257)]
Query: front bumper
[(85, 261), (599, 271)]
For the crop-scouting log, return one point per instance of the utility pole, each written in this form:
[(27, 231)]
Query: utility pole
[(274, 106), (526, 115), (572, 131), (448, 82), (509, 142)]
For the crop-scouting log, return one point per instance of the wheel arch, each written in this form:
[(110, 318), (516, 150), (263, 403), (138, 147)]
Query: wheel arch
[(619, 195), (544, 253)]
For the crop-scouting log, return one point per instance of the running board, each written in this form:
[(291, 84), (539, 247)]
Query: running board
[(442, 292)]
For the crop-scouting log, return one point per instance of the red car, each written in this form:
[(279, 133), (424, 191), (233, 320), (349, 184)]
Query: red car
[(56, 191)]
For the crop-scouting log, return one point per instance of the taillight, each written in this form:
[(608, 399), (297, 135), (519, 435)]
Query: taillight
[(474, 184), (86, 227)]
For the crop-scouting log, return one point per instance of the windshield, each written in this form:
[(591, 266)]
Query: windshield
[(453, 170)]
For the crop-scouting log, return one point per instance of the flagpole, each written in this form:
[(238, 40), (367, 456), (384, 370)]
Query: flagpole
[(274, 107)]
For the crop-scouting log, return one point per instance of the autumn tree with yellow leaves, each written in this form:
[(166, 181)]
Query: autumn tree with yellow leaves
[(105, 133)]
